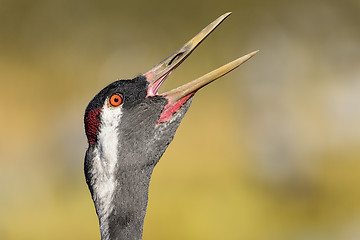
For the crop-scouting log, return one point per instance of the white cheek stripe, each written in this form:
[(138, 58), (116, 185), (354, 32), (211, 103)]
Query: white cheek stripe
[(106, 154)]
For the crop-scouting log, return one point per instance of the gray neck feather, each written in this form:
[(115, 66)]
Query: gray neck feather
[(130, 201), (120, 200)]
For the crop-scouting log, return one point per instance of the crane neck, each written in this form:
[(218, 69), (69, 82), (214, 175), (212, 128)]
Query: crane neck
[(126, 212), (120, 195)]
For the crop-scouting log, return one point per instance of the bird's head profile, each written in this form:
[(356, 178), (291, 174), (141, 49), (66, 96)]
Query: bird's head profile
[(129, 126)]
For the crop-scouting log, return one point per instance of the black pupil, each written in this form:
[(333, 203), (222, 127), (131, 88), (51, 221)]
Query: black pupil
[(116, 99)]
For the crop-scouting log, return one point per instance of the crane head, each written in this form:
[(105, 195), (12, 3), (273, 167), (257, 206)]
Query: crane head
[(140, 119)]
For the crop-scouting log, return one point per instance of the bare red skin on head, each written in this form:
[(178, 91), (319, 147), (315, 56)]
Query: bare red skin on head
[(92, 122), (169, 109)]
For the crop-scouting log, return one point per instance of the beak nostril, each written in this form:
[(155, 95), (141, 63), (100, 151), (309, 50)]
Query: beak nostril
[(177, 56)]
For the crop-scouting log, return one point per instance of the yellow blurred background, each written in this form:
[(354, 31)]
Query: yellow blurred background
[(269, 152)]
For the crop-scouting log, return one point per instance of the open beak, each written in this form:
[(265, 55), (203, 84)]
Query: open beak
[(157, 75)]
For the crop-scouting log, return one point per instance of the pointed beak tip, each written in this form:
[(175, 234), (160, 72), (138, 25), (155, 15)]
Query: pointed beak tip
[(254, 52), (249, 55)]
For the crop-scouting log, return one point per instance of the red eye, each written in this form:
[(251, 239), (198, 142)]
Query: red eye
[(115, 100)]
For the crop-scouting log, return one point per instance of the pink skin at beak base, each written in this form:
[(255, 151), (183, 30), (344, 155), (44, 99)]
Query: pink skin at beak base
[(169, 109)]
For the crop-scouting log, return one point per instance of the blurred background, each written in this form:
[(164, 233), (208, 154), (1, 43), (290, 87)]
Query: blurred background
[(269, 152)]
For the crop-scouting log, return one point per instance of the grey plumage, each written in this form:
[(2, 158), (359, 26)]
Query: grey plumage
[(128, 136)]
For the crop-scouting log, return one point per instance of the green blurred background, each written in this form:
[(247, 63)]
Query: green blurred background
[(270, 152)]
